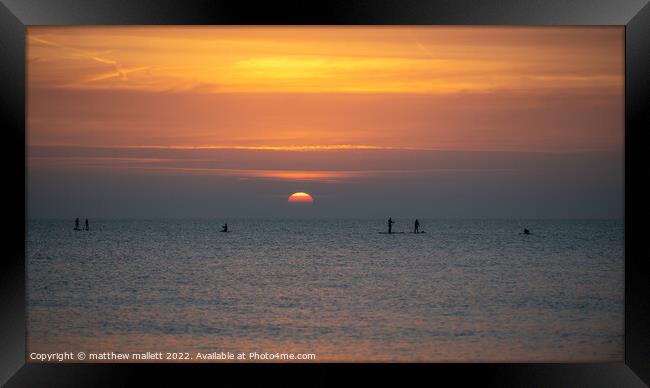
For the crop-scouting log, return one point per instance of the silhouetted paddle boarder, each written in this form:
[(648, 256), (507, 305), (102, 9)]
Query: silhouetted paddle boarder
[(224, 228), (76, 224), (87, 227), (526, 231), (416, 228), (390, 225)]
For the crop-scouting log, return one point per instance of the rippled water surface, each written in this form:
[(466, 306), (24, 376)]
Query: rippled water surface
[(470, 290)]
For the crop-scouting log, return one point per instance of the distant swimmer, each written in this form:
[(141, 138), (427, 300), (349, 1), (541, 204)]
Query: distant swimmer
[(76, 224), (224, 228), (87, 227), (390, 225), (416, 229), (526, 231)]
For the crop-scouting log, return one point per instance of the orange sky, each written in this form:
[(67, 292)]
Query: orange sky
[(326, 59), (422, 121), (316, 88)]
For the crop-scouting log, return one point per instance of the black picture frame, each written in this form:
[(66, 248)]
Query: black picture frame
[(15, 15)]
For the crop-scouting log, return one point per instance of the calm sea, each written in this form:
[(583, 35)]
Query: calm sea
[(467, 290)]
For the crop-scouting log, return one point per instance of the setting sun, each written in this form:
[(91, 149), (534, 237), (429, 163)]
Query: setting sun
[(450, 162), (300, 198)]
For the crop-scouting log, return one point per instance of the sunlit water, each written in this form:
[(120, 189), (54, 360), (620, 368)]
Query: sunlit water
[(471, 290)]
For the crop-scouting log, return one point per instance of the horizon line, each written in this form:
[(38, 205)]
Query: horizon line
[(215, 218)]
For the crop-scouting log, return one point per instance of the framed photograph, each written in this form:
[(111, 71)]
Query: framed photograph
[(428, 186)]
